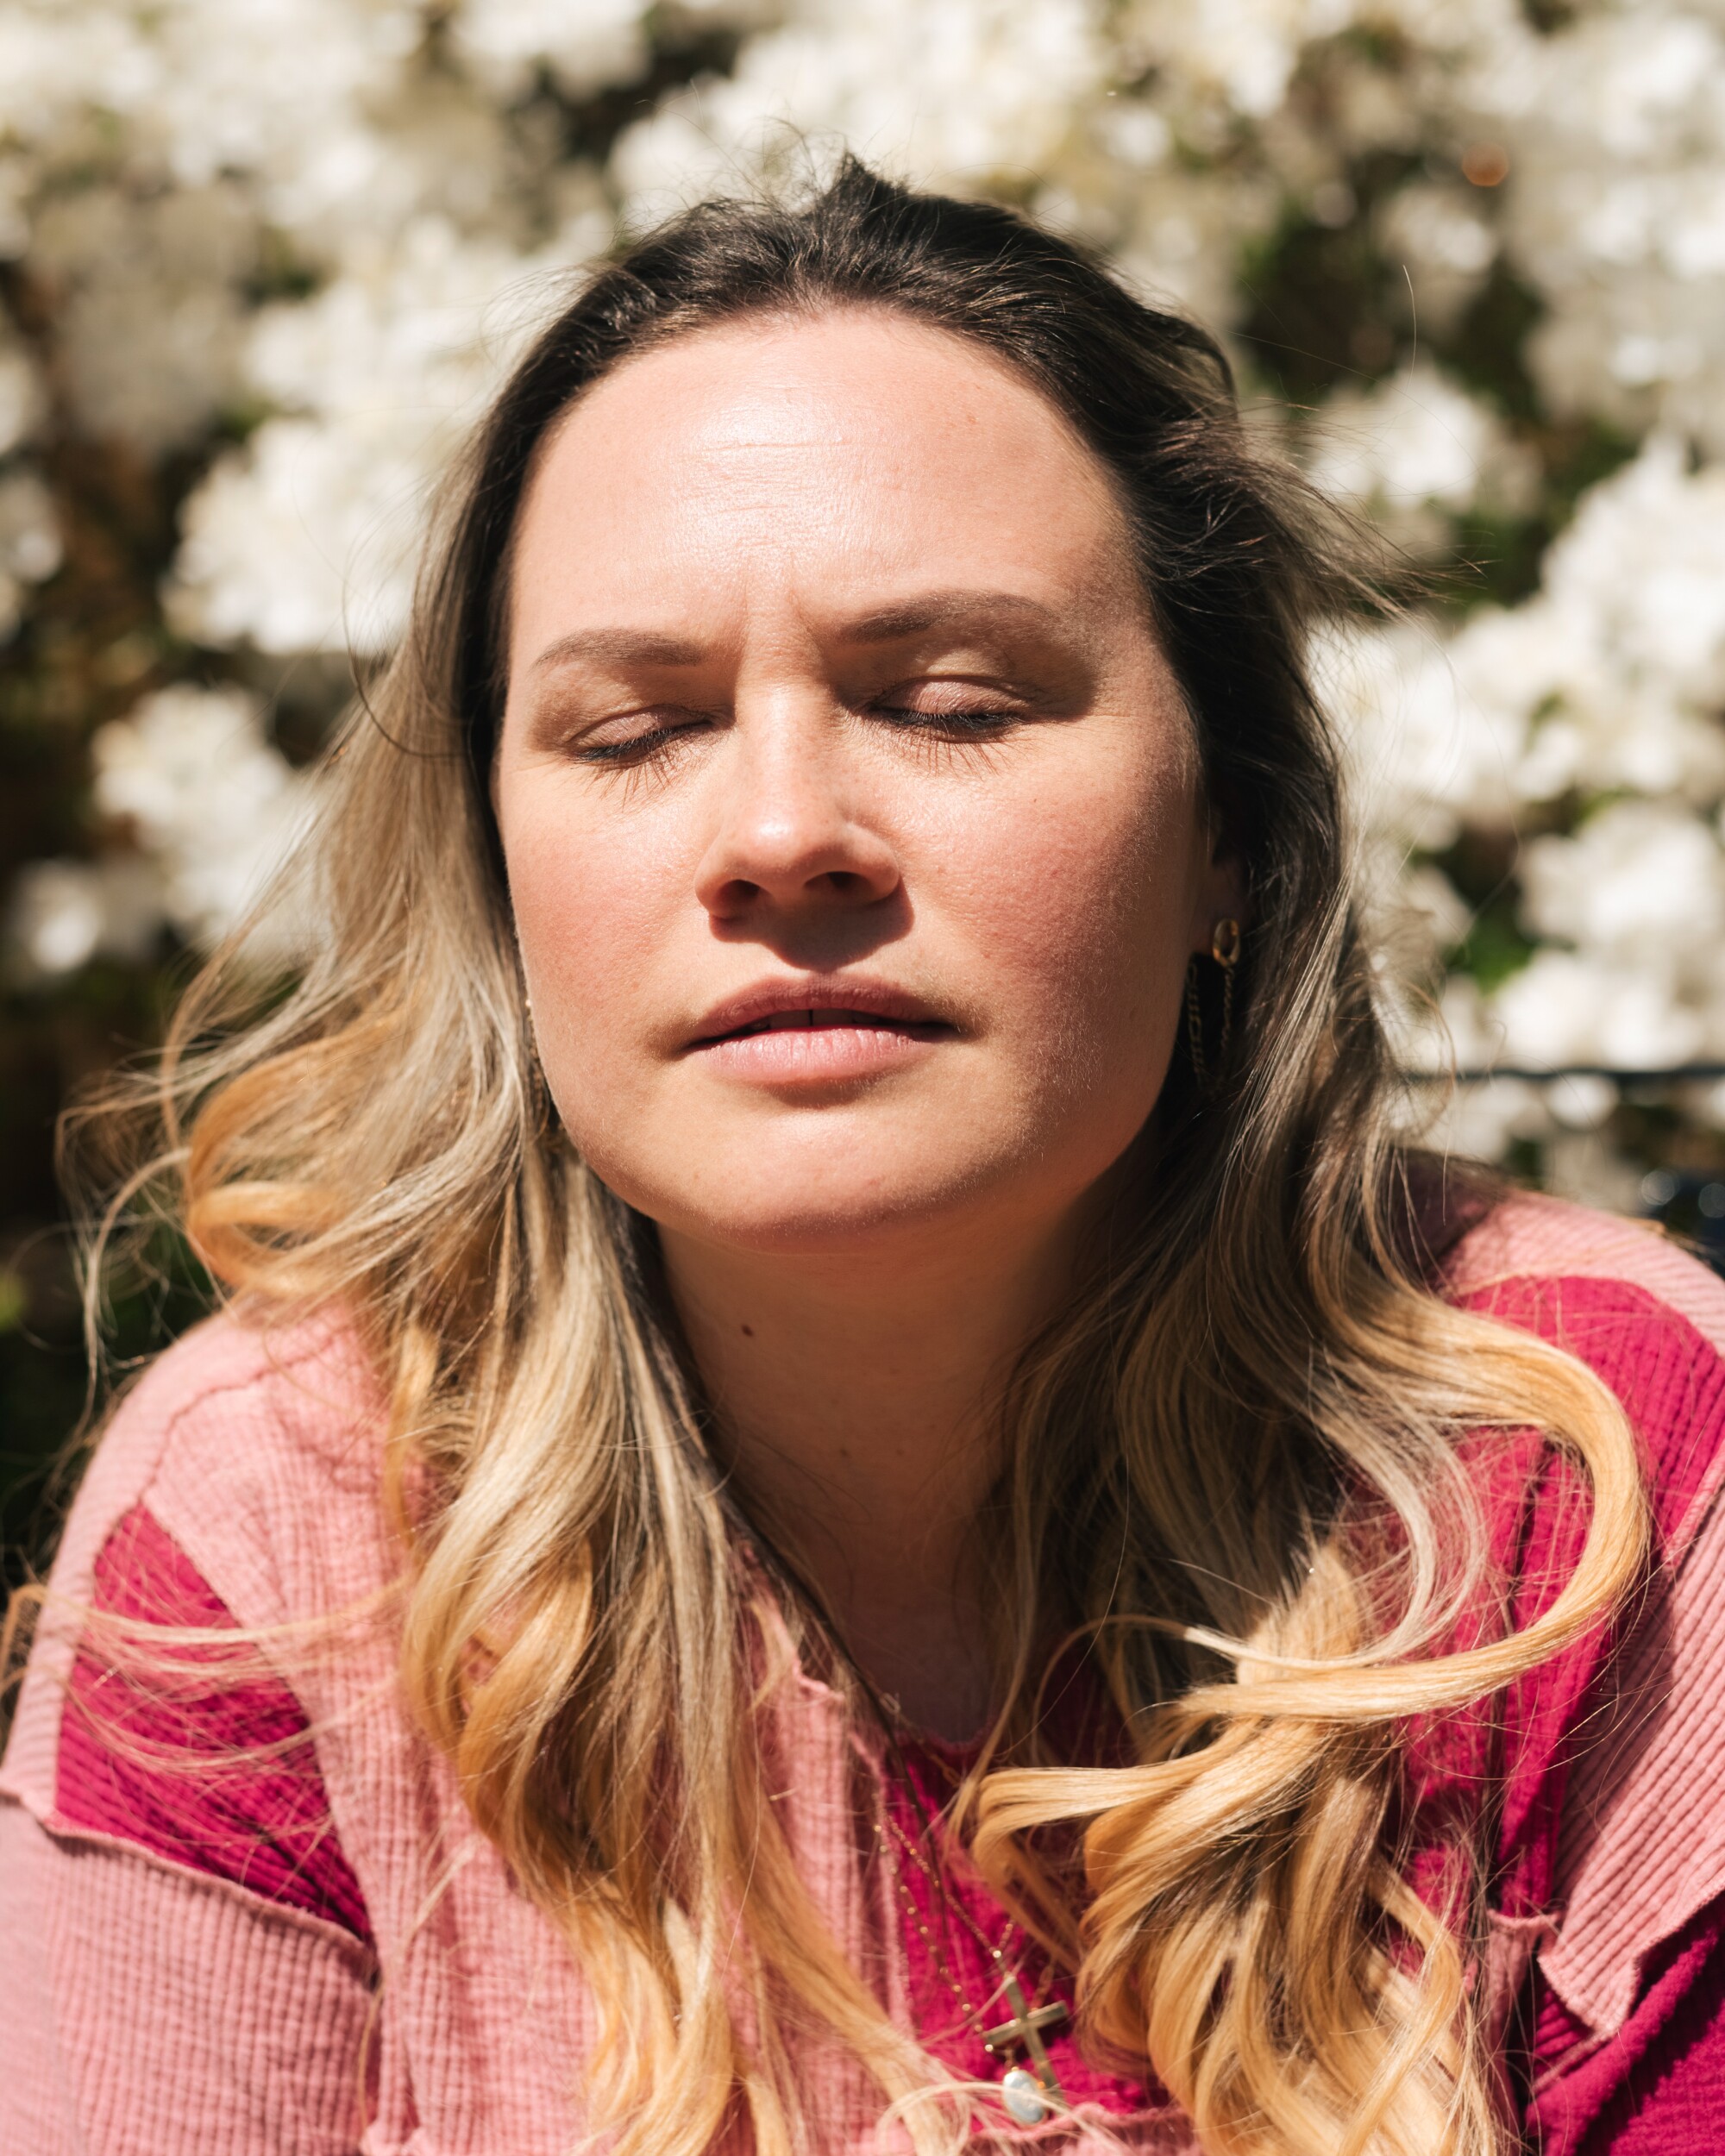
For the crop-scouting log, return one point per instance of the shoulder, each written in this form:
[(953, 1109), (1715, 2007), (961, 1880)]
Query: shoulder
[(310, 1376), (260, 1448), (248, 1393), (1606, 1760), (1527, 1237), (1647, 1317), (1612, 1843)]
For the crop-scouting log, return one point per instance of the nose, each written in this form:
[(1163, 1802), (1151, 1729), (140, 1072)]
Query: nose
[(788, 832)]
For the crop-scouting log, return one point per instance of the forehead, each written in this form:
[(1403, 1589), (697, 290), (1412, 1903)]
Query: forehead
[(855, 444)]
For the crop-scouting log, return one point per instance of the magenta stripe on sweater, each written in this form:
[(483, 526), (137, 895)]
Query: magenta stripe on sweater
[(149, 1759), (1653, 2086)]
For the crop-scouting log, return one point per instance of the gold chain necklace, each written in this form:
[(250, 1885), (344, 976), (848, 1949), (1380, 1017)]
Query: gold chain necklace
[(1028, 2093)]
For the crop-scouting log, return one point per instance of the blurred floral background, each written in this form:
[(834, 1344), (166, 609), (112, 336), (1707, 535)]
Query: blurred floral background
[(259, 265)]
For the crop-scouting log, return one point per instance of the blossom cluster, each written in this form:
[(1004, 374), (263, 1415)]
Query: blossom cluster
[(1469, 257)]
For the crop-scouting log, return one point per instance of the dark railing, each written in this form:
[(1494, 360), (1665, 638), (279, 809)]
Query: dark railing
[(1689, 1202), (1666, 1075)]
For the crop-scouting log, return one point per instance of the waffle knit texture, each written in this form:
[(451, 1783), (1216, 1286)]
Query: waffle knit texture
[(324, 1954)]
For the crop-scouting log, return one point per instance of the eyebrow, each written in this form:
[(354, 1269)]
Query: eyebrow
[(620, 647), (950, 609), (885, 624)]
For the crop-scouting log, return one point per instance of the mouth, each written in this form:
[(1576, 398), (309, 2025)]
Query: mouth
[(827, 1021), (787, 1032)]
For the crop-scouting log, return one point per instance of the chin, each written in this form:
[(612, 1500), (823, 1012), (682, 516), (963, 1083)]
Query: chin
[(797, 1213)]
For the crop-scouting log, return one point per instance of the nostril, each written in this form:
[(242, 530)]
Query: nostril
[(848, 868)]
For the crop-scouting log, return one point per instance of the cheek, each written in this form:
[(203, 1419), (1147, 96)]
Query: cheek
[(1089, 930), (586, 912)]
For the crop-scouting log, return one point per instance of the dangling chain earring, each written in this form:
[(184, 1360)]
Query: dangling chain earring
[(1225, 949)]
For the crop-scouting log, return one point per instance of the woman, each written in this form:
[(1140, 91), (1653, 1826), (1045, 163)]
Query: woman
[(848, 1499)]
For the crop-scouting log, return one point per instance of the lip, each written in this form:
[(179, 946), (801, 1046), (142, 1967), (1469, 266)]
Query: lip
[(819, 1030)]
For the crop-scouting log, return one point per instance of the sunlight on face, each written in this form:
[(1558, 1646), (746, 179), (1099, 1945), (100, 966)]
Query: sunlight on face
[(850, 812)]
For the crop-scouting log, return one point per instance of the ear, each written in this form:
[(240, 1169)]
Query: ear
[(1220, 886)]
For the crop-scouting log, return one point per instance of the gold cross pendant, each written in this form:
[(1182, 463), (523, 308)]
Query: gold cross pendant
[(1025, 2028)]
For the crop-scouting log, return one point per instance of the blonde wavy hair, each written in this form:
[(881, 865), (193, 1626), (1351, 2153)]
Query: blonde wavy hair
[(1232, 1467)]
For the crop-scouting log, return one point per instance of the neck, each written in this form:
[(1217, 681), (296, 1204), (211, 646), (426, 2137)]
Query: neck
[(854, 1395)]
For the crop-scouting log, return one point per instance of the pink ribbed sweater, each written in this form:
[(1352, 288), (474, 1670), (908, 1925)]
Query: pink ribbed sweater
[(148, 2006)]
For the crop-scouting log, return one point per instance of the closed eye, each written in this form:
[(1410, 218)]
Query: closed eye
[(651, 736), (958, 721)]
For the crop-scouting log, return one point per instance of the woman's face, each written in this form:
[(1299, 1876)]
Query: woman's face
[(851, 815)]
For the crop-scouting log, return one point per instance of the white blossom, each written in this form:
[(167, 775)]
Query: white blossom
[(585, 47), (1239, 54), (65, 913), (201, 86), (1616, 205), (22, 400), (1446, 244), (1428, 745), (1567, 1006), (302, 540), (1181, 236), (1616, 672), (213, 805), (1640, 876), (153, 316), (1480, 1121), (30, 542), (1416, 448), (963, 92), (299, 240)]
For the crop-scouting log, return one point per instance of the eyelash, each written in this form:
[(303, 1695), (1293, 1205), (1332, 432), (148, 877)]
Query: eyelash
[(979, 723), (984, 724), (638, 749)]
